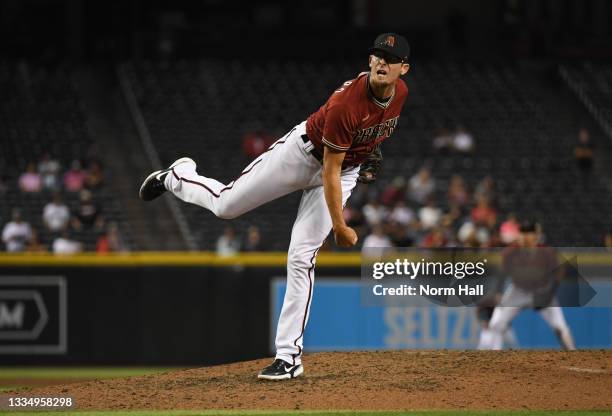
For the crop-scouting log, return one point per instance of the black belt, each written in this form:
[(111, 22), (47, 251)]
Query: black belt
[(314, 152)]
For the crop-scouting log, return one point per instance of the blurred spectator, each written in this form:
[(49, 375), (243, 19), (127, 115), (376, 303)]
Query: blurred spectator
[(110, 241), (255, 143), (430, 214), (472, 235), (34, 245), (435, 238), (486, 188), (443, 141), (375, 213), (421, 186), (49, 170), (377, 241), (94, 178), (352, 216), (402, 214), (253, 239), (583, 152), (88, 214), (56, 214), (394, 191), (30, 181), (228, 244), (16, 233), (453, 215), (463, 142), (608, 239), (509, 231), (401, 235), (65, 245), (457, 192), (3, 184), (74, 179), (483, 213)]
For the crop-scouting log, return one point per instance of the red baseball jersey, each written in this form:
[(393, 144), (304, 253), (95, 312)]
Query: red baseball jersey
[(354, 121)]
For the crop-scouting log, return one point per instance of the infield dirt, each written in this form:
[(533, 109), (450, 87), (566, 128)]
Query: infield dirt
[(387, 380)]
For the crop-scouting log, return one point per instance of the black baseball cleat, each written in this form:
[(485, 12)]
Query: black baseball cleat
[(153, 186), (281, 370)]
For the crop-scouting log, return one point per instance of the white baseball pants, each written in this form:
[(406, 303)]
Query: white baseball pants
[(286, 167), (516, 300)]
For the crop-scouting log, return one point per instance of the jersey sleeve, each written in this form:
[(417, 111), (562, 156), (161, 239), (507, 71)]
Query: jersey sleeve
[(339, 127)]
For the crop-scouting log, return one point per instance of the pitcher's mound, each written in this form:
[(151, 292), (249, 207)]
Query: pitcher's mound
[(388, 380)]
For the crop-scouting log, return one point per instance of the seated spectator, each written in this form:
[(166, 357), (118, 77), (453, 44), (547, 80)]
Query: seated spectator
[(228, 244), (402, 214), (401, 235), (394, 192), (30, 181), (583, 152), (110, 241), (3, 184), (49, 170), (34, 245), (509, 231), (17, 233), (443, 141), (94, 178), (74, 179), (472, 235), (463, 142), (352, 217), (88, 214), (255, 143), (377, 241), (65, 245), (421, 186), (435, 238), (253, 239), (430, 215), (457, 192), (374, 212), (56, 214), (483, 213), (486, 188)]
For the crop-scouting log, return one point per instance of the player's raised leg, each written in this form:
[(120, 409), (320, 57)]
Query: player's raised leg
[(311, 227), (277, 172)]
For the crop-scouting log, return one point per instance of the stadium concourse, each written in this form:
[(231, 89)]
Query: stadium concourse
[(523, 126)]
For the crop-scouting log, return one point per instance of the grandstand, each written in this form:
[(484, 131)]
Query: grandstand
[(525, 131), (42, 113)]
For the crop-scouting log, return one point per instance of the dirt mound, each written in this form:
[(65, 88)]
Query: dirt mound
[(392, 380)]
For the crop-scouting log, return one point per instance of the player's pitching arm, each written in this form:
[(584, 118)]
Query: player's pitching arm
[(344, 235)]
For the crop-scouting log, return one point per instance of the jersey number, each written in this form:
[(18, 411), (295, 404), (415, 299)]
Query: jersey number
[(346, 84)]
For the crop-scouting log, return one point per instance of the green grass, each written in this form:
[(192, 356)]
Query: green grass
[(42, 373), (322, 413)]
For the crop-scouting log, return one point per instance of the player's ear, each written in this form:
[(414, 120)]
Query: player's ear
[(370, 61), (405, 69)]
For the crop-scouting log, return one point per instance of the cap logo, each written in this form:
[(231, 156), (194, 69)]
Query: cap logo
[(390, 41)]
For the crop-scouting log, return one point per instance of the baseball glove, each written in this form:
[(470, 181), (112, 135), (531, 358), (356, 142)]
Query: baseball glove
[(369, 169)]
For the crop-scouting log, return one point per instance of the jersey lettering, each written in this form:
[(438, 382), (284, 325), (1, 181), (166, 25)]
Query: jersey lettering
[(382, 130)]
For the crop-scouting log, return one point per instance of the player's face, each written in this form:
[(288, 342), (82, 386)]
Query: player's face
[(385, 69)]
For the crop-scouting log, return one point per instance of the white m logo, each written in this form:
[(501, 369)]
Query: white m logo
[(11, 318)]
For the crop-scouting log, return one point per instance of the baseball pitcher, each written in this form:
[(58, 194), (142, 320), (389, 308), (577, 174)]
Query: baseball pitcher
[(324, 157)]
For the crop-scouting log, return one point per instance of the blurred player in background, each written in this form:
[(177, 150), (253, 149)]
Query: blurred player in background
[(535, 274)]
